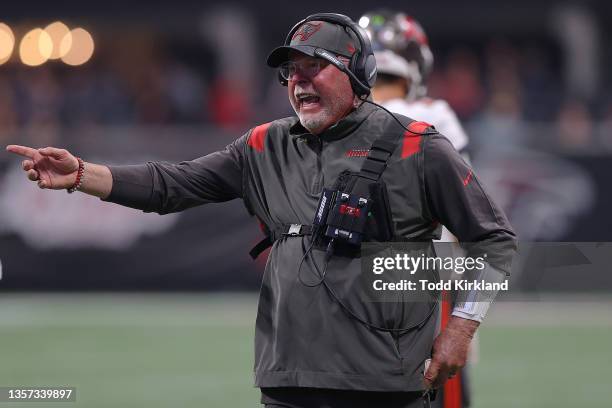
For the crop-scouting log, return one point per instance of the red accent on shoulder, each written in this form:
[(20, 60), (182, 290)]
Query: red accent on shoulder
[(350, 48), (258, 137), (412, 144), (412, 138), (418, 127), (467, 178)]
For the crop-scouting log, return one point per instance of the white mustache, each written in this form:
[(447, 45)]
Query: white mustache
[(300, 95)]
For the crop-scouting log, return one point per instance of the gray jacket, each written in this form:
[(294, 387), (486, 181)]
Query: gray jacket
[(303, 337)]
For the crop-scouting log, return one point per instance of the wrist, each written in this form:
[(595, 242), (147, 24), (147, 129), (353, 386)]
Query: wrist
[(80, 175), (462, 326)]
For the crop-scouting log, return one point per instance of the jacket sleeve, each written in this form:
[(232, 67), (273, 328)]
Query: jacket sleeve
[(165, 187), (456, 199)]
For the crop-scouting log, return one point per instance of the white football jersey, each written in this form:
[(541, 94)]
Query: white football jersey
[(435, 112)]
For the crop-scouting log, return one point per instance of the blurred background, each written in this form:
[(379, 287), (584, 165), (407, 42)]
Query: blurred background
[(141, 310)]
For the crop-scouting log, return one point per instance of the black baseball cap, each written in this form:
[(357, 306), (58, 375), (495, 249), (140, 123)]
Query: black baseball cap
[(311, 35)]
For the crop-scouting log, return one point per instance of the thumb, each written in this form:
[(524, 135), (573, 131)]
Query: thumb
[(431, 374)]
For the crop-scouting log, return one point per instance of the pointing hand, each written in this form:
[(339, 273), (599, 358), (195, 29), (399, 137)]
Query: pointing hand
[(50, 167)]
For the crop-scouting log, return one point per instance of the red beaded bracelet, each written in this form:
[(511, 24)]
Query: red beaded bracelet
[(79, 179)]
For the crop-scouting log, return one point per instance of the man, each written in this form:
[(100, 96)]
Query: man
[(309, 350), (404, 61)]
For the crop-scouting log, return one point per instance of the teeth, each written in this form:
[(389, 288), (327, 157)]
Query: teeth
[(301, 97)]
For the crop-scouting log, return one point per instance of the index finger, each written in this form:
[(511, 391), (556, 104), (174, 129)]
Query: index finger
[(22, 150)]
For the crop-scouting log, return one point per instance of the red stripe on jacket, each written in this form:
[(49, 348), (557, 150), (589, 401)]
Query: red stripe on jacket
[(258, 137), (412, 144), (412, 138), (418, 127)]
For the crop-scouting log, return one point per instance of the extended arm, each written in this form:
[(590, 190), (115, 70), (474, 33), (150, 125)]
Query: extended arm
[(165, 187), (151, 187)]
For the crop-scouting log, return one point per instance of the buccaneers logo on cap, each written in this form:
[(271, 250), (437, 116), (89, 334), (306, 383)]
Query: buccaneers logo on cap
[(306, 31)]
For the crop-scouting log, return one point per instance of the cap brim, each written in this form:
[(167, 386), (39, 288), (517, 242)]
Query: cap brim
[(281, 54)]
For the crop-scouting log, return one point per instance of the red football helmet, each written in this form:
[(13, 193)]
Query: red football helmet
[(404, 36)]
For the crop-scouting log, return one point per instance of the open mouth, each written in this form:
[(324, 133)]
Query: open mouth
[(307, 100)]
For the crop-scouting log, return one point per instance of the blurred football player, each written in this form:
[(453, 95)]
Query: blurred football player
[(404, 61)]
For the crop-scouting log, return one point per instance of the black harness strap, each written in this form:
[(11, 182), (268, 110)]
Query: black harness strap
[(380, 153), (261, 246), (282, 230)]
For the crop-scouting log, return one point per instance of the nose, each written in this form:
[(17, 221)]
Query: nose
[(299, 77)]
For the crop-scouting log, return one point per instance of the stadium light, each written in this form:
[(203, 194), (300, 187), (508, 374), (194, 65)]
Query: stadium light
[(36, 47), (79, 45), (60, 35), (7, 43)]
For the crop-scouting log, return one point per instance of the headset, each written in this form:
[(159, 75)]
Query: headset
[(362, 67)]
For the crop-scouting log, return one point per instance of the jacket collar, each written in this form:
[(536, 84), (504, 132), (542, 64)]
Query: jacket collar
[(340, 129)]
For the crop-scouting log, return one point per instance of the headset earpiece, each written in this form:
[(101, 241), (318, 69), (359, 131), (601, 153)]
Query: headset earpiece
[(282, 80), (370, 71)]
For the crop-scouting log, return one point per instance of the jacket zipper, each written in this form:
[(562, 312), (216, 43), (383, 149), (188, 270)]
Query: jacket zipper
[(317, 180)]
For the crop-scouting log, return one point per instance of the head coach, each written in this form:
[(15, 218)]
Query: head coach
[(311, 348)]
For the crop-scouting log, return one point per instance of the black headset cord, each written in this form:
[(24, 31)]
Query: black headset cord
[(347, 309)]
